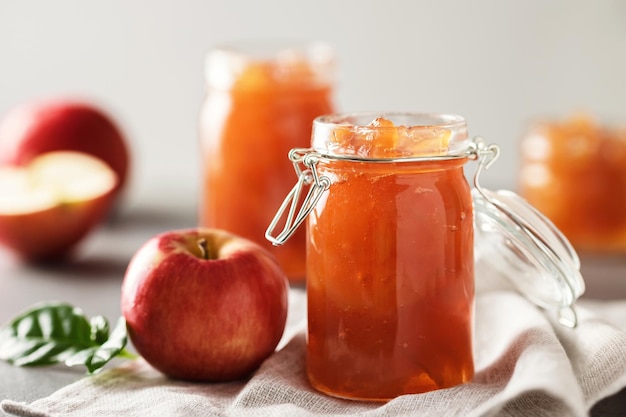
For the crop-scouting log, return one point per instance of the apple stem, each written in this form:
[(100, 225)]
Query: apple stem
[(204, 248)]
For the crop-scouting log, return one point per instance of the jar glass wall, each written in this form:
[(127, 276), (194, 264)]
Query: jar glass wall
[(574, 171), (390, 276), (261, 100)]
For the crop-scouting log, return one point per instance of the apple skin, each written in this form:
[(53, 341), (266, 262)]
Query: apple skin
[(41, 126), (50, 235), (198, 319)]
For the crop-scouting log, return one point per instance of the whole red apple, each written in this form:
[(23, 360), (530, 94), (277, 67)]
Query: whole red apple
[(41, 126), (48, 206), (203, 304)]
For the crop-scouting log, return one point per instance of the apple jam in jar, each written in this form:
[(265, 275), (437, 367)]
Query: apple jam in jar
[(260, 103), (390, 265), (574, 171)]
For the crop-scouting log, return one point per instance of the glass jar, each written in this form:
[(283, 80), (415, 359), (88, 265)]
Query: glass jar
[(390, 251), (390, 288), (574, 171), (260, 102)]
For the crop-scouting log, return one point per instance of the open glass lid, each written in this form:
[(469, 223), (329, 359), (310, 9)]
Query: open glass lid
[(520, 242)]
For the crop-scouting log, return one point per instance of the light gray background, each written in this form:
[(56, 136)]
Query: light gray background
[(500, 64)]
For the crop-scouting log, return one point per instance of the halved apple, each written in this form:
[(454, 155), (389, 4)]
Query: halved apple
[(48, 206), (53, 124)]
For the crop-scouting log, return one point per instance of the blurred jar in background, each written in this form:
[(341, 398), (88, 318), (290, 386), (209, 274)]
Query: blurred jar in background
[(574, 171), (260, 102)]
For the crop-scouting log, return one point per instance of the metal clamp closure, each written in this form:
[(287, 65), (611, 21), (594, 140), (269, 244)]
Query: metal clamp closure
[(485, 154), (304, 161)]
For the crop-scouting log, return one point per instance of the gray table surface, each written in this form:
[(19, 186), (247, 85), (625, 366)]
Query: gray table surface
[(92, 281)]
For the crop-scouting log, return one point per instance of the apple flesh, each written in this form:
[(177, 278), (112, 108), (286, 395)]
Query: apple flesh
[(51, 204), (42, 126), (203, 304)]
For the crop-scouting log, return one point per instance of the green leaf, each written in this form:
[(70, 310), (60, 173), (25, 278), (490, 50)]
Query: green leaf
[(99, 329), (96, 357), (60, 333)]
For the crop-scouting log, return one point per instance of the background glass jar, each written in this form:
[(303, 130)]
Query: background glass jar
[(574, 171), (390, 266), (260, 102)]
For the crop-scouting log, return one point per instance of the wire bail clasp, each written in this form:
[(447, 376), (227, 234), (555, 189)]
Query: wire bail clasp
[(304, 161), (485, 154)]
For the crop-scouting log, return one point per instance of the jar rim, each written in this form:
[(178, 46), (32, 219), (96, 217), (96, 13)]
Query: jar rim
[(308, 62), (361, 120), (275, 49), (419, 135)]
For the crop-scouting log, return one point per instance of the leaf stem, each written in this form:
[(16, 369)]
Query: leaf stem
[(127, 354)]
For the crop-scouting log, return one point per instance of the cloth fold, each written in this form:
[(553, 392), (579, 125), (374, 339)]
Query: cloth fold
[(526, 363)]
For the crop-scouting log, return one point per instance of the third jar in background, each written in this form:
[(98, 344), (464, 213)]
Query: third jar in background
[(574, 171), (260, 103)]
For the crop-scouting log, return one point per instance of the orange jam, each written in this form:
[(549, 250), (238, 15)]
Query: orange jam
[(390, 268), (574, 172), (260, 103)]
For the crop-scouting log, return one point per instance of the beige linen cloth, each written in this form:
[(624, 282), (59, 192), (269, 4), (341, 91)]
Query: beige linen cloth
[(527, 365)]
